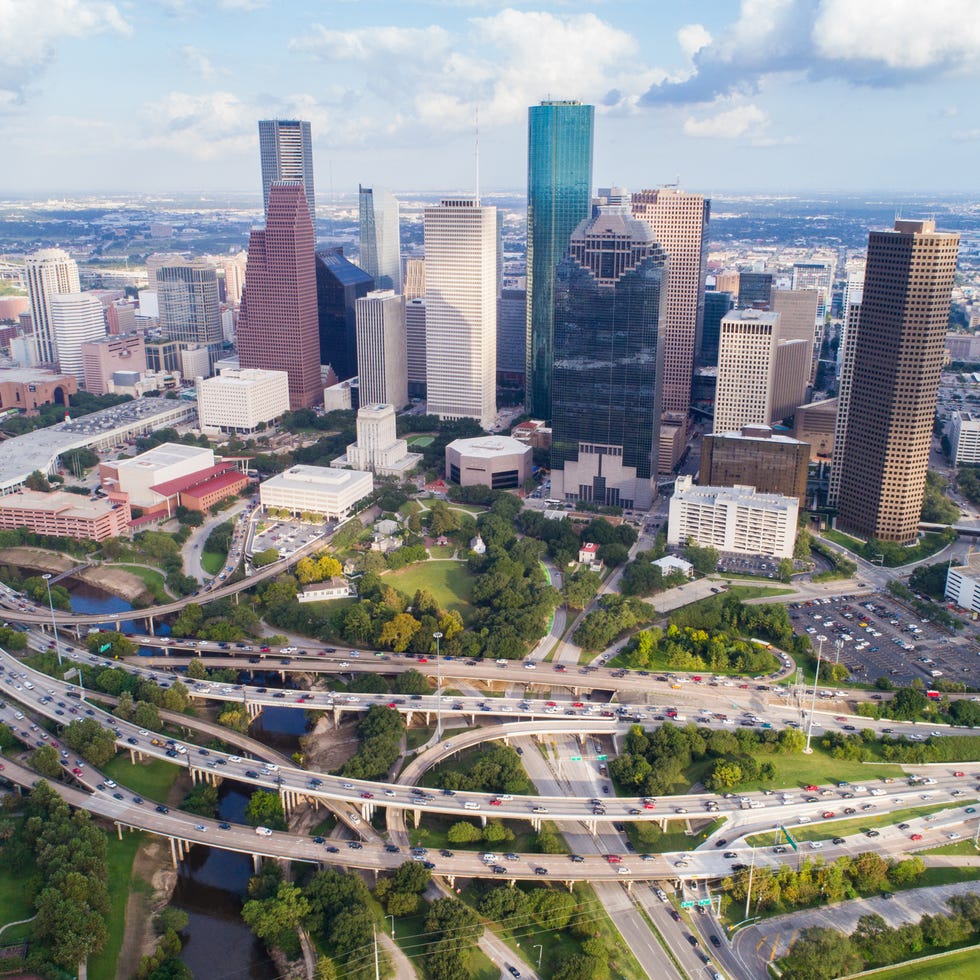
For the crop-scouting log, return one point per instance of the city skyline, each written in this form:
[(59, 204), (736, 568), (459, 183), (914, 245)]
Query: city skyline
[(770, 86)]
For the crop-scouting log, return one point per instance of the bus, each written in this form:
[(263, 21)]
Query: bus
[(934, 695), (761, 643)]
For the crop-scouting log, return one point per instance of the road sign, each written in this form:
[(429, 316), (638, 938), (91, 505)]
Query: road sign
[(576, 758), (687, 905), (104, 647), (602, 757), (69, 674), (704, 901), (789, 838)]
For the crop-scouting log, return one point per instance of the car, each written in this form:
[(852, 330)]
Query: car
[(118, 796), (446, 853), (78, 772), (162, 809), (714, 940), (779, 850), (540, 871), (730, 854), (828, 814), (200, 827), (498, 869), (576, 858), (815, 845), (915, 837), (367, 796), (953, 836), (839, 840), (959, 774), (872, 833), (331, 849), (970, 809), (263, 831), (693, 940), (539, 809), (138, 799), (513, 971), (614, 859), (496, 802), (354, 845), (224, 825), (675, 915), (903, 826), (721, 842), (849, 810)]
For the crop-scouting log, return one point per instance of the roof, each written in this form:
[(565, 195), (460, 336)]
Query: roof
[(487, 447), (169, 487), (323, 479), (27, 375), (589, 547), (59, 503), (224, 480), (672, 561), (684, 490), (166, 454), (340, 267)]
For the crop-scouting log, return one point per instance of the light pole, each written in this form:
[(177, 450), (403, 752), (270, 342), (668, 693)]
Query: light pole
[(838, 646), (54, 626), (437, 636), (821, 639), (540, 950), (392, 925)]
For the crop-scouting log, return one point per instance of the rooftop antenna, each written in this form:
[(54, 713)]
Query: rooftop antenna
[(477, 156)]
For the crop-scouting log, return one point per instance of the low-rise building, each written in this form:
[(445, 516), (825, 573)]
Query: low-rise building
[(138, 476), (322, 490), (963, 584), (26, 389), (736, 520), (489, 461), (239, 401), (334, 588), (67, 515), (378, 447), (588, 553), (670, 564), (964, 437)]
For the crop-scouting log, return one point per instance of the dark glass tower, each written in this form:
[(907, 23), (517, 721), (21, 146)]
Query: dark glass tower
[(716, 306), (753, 288), (559, 189), (339, 285), (610, 292)]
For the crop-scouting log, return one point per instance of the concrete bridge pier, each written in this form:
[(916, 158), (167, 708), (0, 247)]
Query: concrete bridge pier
[(569, 885), (629, 886), (581, 738), (149, 625), (338, 715), (452, 881), (506, 740), (256, 863), (367, 812), (592, 826), (119, 830), (483, 820), (409, 715), (253, 709), (417, 817), (536, 824)]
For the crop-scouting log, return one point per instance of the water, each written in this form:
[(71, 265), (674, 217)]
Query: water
[(211, 886), (87, 598), (280, 728)]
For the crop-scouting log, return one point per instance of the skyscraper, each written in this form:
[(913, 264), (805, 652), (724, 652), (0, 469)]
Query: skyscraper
[(50, 271), (415, 338), (797, 309), (897, 358), (716, 306), (382, 352), (380, 254), (277, 326), (559, 188), (679, 222), (610, 297), (75, 319), (190, 311), (461, 310), (339, 285), (754, 288), (286, 151)]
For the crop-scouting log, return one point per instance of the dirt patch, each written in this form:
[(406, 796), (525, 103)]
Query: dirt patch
[(39, 558), (124, 584), (327, 748)]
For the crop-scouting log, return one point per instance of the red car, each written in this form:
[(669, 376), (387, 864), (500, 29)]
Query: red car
[(916, 837), (958, 773), (828, 814), (266, 650), (551, 704), (423, 660), (577, 704), (367, 796), (77, 771), (697, 679), (647, 805), (614, 859), (495, 803), (810, 789)]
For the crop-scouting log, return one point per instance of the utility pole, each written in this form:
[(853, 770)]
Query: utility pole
[(821, 639)]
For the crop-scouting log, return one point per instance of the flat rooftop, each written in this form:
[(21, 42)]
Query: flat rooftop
[(166, 455), (488, 447), (27, 375), (58, 502), (322, 479)]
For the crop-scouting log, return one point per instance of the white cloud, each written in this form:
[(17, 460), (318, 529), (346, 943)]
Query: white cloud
[(692, 38), (206, 126), (901, 34), (31, 31), (727, 124), (198, 61), (365, 44)]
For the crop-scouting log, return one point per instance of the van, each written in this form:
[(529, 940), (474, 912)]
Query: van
[(470, 805), (489, 858)]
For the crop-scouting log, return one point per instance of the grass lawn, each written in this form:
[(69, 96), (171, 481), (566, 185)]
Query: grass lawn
[(212, 561), (433, 830), (960, 848), (449, 581), (648, 838), (442, 551), (946, 876), (324, 827), (469, 508), (798, 770), (414, 737), (14, 905), (829, 829), (121, 854), (408, 932), (151, 779), (961, 965), (927, 545), (153, 580), (421, 440)]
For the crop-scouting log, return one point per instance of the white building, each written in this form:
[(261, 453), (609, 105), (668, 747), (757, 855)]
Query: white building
[(736, 520), (964, 436), (240, 400), (195, 361), (382, 351), (845, 353), (671, 563), (461, 311), (76, 319), (963, 584), (50, 272), (136, 476), (378, 447), (335, 588), (495, 461), (321, 490)]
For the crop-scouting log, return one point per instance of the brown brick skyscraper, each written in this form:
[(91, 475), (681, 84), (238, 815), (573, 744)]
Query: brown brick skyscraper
[(898, 353), (277, 326)]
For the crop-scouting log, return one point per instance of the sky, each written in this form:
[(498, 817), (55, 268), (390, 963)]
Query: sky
[(760, 96)]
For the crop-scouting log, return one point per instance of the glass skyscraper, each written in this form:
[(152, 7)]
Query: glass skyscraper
[(559, 189), (610, 297), (286, 151), (380, 254)]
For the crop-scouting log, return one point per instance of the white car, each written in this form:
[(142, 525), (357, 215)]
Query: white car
[(263, 831)]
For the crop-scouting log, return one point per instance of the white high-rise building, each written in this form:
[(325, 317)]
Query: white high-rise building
[(380, 254), (746, 366), (239, 401), (461, 310), (50, 272), (382, 352), (76, 318), (378, 447)]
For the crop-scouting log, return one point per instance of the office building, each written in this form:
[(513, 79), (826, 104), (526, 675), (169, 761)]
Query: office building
[(746, 367), (726, 282), (286, 151), (277, 324), (814, 424), (190, 310), (66, 514), (755, 456), (964, 437), (339, 285), (559, 189), (240, 401), (798, 316), (606, 404), (963, 347), (511, 336), (734, 520), (103, 357), (499, 462), (120, 317), (898, 355), (414, 279), (845, 354), (963, 584), (818, 276), (331, 493), (380, 255), (50, 272), (75, 318), (382, 349), (234, 278), (461, 310), (415, 341), (717, 305), (378, 447), (679, 222), (754, 290), (162, 356), (27, 389)]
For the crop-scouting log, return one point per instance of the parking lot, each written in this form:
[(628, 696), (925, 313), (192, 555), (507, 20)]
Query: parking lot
[(875, 636), (287, 536)]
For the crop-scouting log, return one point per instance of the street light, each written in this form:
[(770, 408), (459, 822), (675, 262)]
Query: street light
[(437, 636), (821, 639), (392, 925), (540, 950), (54, 626)]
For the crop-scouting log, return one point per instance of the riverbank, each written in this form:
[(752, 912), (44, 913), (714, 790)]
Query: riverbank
[(126, 585)]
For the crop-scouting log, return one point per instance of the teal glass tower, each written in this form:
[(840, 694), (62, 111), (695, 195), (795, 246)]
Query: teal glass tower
[(559, 196)]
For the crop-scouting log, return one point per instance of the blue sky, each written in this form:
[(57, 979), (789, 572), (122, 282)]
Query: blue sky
[(754, 95)]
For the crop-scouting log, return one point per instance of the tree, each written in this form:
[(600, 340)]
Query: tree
[(45, 761), (266, 557), (275, 920), (411, 682), (820, 954), (38, 482), (397, 633), (704, 560), (784, 570), (463, 832), (613, 553), (581, 587), (264, 809), (170, 918)]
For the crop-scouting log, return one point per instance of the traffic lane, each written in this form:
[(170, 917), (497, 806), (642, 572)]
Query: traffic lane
[(673, 932)]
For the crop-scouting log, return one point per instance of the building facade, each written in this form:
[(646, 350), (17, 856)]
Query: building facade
[(756, 457), (964, 437), (75, 319), (190, 310), (239, 401), (27, 389), (797, 309), (339, 285), (606, 405), (50, 272), (102, 358), (716, 307), (679, 222), (323, 490), (498, 462), (286, 152), (746, 369), (461, 310), (277, 326), (415, 344), (378, 447), (898, 356), (66, 514), (814, 423), (963, 584), (735, 520), (754, 290), (559, 196), (380, 255), (511, 336), (382, 349)]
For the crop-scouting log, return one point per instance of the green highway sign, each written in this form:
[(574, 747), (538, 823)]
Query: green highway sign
[(576, 758), (602, 757), (789, 839), (687, 905), (704, 901), (104, 647)]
